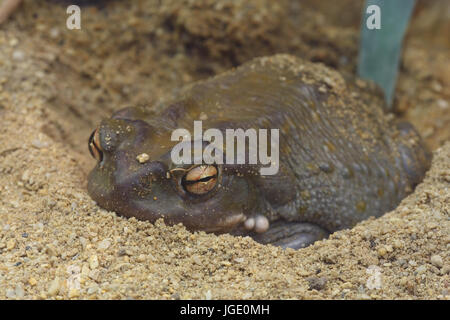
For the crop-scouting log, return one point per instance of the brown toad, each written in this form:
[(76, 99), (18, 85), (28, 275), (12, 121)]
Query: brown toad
[(341, 159)]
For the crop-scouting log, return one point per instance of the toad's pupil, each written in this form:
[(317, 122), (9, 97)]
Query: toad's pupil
[(94, 146)]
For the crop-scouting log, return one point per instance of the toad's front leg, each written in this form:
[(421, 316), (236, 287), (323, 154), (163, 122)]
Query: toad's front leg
[(7, 7)]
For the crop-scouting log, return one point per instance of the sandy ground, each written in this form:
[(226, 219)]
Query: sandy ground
[(56, 84)]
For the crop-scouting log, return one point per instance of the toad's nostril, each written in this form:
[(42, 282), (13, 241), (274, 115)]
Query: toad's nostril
[(94, 146)]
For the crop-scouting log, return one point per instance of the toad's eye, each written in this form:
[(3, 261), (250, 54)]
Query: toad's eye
[(94, 145), (200, 180)]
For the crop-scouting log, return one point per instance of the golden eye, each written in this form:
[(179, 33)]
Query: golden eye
[(94, 145), (200, 180)]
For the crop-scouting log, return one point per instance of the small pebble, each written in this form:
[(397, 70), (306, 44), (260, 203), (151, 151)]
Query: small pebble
[(54, 33), (32, 281), (92, 290), (20, 293), (421, 269), (249, 224), (317, 283), (18, 55), (176, 296), (398, 244), (382, 251), (85, 271), (10, 293), (412, 263), (39, 144), (51, 250), (83, 241), (347, 285), (445, 269), (239, 260), (366, 235), (94, 274), (261, 224), (104, 244), (73, 293), (10, 244), (247, 295)]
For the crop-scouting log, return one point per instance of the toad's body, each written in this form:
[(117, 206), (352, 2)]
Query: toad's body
[(341, 159)]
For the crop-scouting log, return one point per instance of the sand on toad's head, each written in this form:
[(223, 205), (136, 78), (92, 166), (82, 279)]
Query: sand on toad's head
[(55, 85)]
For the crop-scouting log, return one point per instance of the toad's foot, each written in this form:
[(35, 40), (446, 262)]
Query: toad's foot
[(293, 235)]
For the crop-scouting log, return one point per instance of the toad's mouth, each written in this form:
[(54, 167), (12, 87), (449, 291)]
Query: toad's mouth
[(238, 224), (207, 220)]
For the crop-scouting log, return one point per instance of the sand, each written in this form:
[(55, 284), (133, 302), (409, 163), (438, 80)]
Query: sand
[(56, 84)]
